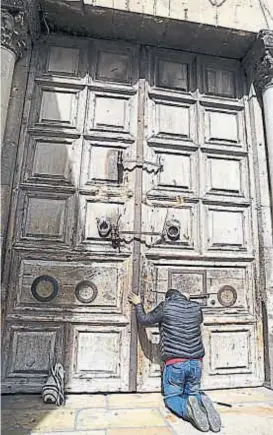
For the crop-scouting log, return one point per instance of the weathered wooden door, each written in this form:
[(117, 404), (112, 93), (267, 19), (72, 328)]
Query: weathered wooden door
[(202, 199), (67, 294), (134, 172)]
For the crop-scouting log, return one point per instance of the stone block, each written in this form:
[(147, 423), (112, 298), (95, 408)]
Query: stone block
[(85, 432), (150, 400), (88, 400), (107, 419), (139, 431), (135, 6), (162, 8)]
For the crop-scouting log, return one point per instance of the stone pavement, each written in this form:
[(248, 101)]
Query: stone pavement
[(132, 414)]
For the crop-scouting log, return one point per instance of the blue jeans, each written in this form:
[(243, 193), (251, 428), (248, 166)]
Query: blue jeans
[(181, 380)]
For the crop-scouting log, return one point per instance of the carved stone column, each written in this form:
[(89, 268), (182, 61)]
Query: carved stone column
[(265, 82), (20, 24), (13, 40), (259, 67)]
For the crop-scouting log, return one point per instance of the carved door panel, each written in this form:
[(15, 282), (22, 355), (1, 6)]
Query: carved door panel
[(200, 199), (67, 293)]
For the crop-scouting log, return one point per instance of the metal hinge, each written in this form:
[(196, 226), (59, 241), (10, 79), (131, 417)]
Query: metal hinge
[(144, 165)]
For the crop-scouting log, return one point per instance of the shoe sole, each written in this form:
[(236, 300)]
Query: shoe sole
[(213, 416), (198, 416)]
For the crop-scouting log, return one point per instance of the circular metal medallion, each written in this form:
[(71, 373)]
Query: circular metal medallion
[(173, 229), (227, 296), (86, 292), (45, 288)]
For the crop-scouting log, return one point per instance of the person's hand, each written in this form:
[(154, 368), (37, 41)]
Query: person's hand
[(134, 299)]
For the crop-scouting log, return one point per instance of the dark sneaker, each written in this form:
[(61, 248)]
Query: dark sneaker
[(212, 415), (197, 415)]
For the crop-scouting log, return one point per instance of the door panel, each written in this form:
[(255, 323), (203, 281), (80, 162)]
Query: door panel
[(77, 282), (225, 176), (52, 161), (66, 272), (200, 203), (29, 349), (136, 180), (100, 356)]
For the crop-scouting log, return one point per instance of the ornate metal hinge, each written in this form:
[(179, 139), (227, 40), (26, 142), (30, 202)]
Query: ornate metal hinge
[(144, 165)]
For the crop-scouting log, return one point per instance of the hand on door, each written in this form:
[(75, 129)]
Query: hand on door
[(134, 299)]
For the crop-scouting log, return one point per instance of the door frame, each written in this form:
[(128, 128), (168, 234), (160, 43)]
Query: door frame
[(255, 115)]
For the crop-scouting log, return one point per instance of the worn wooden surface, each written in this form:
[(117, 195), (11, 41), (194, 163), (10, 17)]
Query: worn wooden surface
[(181, 125)]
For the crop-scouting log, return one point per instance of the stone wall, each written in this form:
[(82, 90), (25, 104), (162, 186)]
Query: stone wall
[(250, 15)]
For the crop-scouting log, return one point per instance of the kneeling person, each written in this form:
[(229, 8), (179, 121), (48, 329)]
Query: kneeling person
[(182, 351)]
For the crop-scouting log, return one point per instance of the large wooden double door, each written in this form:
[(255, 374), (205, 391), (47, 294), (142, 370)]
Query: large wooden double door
[(134, 172)]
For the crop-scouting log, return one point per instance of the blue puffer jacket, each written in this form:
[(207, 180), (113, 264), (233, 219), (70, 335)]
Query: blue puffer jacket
[(179, 321)]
